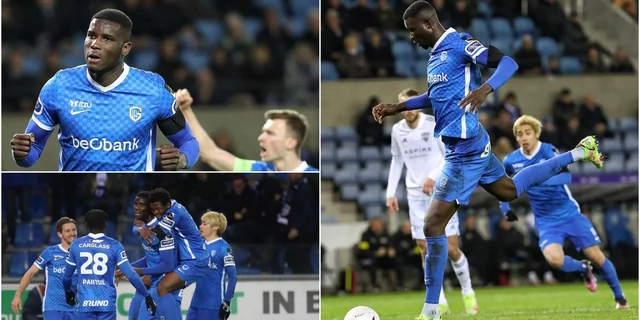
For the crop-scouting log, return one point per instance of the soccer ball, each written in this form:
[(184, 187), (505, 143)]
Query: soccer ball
[(361, 313)]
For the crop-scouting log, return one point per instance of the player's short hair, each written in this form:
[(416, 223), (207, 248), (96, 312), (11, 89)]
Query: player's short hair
[(143, 194), (418, 7), (214, 219), (160, 195), (408, 92), (96, 219), (527, 120), (296, 122), (62, 221), (118, 17)]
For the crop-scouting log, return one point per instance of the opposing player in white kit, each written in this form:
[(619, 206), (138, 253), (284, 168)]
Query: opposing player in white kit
[(414, 146)]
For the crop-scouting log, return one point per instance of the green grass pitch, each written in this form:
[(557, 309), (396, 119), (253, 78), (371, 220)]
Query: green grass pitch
[(566, 302)]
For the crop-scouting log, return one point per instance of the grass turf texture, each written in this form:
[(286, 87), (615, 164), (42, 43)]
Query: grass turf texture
[(566, 302)]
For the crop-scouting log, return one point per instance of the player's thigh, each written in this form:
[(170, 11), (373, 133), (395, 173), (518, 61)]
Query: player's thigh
[(496, 181), (581, 233), (188, 272), (202, 314), (71, 315), (452, 230), (458, 179), (144, 314), (57, 315), (551, 244), (101, 316), (417, 212)]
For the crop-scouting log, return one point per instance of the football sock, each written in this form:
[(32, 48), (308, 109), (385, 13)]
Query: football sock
[(165, 305), (461, 268), (435, 262), (572, 265), (608, 272)]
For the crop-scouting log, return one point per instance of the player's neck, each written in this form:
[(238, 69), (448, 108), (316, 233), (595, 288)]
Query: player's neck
[(211, 237), (414, 123), (288, 162), (530, 151), (109, 77), (65, 246)]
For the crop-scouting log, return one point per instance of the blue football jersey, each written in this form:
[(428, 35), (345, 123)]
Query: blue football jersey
[(551, 204), (210, 289), (452, 74), (96, 257), (105, 128), (189, 242), (53, 261), (152, 251)]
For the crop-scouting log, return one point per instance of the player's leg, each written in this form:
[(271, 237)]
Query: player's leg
[(105, 316), (135, 305), (507, 189), (70, 315), (460, 265), (165, 302), (551, 244), (584, 236)]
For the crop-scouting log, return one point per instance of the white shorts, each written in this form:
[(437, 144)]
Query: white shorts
[(417, 211)]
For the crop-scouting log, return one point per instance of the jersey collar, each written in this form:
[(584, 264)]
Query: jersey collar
[(112, 86), (444, 35), (533, 154), (303, 165), (214, 240), (61, 248), (421, 119), (96, 235)]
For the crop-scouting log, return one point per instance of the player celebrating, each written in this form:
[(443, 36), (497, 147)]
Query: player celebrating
[(98, 256), (413, 145), (193, 258), (283, 135), (454, 91), (557, 214), (212, 298), (107, 111), (52, 260)]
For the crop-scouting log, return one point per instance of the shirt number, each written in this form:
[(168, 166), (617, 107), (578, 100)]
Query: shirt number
[(95, 264), (487, 150)]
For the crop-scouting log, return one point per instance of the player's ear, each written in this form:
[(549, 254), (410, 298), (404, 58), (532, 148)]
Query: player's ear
[(292, 143), (126, 47)]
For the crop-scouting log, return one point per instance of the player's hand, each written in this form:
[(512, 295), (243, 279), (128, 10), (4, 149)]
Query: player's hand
[(151, 305), (119, 276), (475, 98), (172, 159), (428, 187), (146, 234), (16, 304), (21, 145), (225, 310), (392, 203), (184, 99), (71, 298), (383, 110), (138, 271), (510, 216)]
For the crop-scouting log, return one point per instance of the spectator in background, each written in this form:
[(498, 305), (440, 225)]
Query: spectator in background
[(621, 63), (563, 108), (235, 42), (528, 57), (277, 39), (553, 66), (18, 90), (570, 134), (205, 192), (483, 117), (387, 18), (361, 17), (375, 252), (64, 195), (505, 8), (510, 104), (240, 203), (576, 42), (502, 128), (352, 63), (265, 74), (332, 36), (337, 6), (509, 247), (477, 249), (371, 133), (407, 256), (379, 56), (461, 15), (301, 76), (441, 11), (312, 35), (594, 63), (551, 20), (549, 133), (503, 147), (592, 119)]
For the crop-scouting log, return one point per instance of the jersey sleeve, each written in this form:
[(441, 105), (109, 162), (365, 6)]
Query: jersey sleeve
[(469, 48), (252, 165), (120, 254), (549, 151), (71, 258), (45, 113), (166, 100), (43, 259), (508, 168)]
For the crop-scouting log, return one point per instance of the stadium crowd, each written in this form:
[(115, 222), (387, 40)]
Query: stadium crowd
[(272, 218), (252, 52), (364, 41)]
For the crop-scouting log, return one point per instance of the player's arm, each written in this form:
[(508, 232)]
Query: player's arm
[(38, 265), (141, 263), (492, 57), (123, 263), (174, 126), (41, 124), (395, 169), (69, 271), (168, 256), (418, 102), (230, 270)]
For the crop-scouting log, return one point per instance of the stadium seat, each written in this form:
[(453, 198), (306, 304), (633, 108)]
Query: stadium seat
[(145, 59), (346, 133), (349, 192), (504, 45), (112, 230), (523, 25), (614, 125), (328, 153), (615, 163), (484, 10), (32, 65), (38, 205), (368, 175), (547, 47), (53, 235), (128, 238), (609, 145), (29, 235), (370, 153), (404, 68), (615, 223), (480, 29), (327, 134), (386, 152), (347, 174), (501, 28), (328, 171), (302, 8), (373, 211), (210, 30), (346, 155), (275, 4), (194, 60), (252, 26), (632, 164), (589, 169), (328, 71), (422, 54), (631, 142), (21, 261), (628, 124), (570, 65), (366, 199), (402, 50), (420, 67)]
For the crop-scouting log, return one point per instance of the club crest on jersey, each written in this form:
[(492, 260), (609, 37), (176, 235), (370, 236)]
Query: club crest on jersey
[(135, 113), (426, 136), (38, 109), (443, 56), (213, 253)]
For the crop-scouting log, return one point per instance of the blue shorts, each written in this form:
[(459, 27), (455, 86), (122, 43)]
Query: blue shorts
[(111, 315), (143, 313), (578, 230), (191, 270), (202, 314), (467, 163), (60, 315)]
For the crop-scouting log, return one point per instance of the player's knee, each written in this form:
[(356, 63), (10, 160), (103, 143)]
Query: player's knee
[(454, 253), (555, 260), (163, 289), (595, 255)]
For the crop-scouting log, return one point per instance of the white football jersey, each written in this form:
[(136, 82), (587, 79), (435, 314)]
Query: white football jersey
[(419, 151)]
